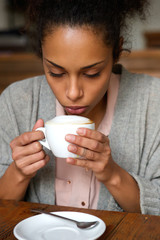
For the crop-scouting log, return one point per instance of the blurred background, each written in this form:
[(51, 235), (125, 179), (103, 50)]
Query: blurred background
[(18, 60)]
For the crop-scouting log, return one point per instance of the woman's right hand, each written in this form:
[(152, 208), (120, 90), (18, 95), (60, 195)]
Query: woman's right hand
[(28, 153)]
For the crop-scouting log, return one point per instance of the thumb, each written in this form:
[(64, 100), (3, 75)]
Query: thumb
[(39, 123)]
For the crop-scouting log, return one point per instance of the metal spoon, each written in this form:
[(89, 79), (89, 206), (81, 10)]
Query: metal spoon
[(82, 225)]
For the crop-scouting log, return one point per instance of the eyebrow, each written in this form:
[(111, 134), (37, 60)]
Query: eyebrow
[(54, 64), (86, 67), (94, 64)]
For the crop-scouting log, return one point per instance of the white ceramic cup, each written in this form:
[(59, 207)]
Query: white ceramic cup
[(57, 128)]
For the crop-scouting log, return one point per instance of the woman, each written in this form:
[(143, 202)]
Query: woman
[(80, 43)]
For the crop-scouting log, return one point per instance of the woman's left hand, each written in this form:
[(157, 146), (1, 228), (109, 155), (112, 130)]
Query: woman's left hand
[(95, 151)]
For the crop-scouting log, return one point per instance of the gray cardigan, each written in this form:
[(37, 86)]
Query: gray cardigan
[(134, 136)]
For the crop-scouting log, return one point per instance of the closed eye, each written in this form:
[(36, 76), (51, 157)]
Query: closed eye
[(92, 75), (58, 75)]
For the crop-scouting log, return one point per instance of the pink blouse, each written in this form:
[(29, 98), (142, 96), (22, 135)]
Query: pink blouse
[(75, 186)]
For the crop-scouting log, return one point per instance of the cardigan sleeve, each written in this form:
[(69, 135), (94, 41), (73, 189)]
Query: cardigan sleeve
[(16, 116), (149, 195), (21, 104), (8, 130), (135, 141), (147, 175)]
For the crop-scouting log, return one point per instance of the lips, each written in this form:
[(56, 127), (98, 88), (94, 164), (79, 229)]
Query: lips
[(75, 109)]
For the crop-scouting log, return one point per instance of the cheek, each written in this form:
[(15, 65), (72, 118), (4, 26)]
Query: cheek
[(100, 86), (58, 91), (56, 87)]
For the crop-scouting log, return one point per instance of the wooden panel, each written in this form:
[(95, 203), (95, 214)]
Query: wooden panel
[(145, 61), (152, 39), (14, 67)]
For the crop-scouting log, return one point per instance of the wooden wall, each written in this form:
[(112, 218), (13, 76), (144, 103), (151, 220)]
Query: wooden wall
[(14, 67), (144, 61)]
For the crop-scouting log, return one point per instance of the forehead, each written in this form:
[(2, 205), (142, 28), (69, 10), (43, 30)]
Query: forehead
[(75, 42), (75, 29)]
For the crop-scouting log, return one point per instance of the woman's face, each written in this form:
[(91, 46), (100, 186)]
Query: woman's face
[(77, 66)]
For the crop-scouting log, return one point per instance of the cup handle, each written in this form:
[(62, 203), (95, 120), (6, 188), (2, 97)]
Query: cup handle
[(43, 142)]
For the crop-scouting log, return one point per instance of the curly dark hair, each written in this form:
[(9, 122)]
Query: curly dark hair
[(108, 16)]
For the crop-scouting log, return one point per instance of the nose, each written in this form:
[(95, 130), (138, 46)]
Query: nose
[(74, 90)]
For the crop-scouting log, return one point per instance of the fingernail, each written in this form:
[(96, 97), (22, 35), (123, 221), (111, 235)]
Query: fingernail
[(72, 148), (81, 131), (70, 160), (70, 138)]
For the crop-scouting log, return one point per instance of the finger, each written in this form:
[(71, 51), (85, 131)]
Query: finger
[(26, 138), (22, 151), (31, 159), (39, 123), (33, 168), (91, 144), (83, 152), (87, 164), (92, 134)]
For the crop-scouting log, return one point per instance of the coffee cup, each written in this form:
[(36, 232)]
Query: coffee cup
[(57, 128)]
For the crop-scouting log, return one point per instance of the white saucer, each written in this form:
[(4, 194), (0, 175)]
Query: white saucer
[(45, 227)]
